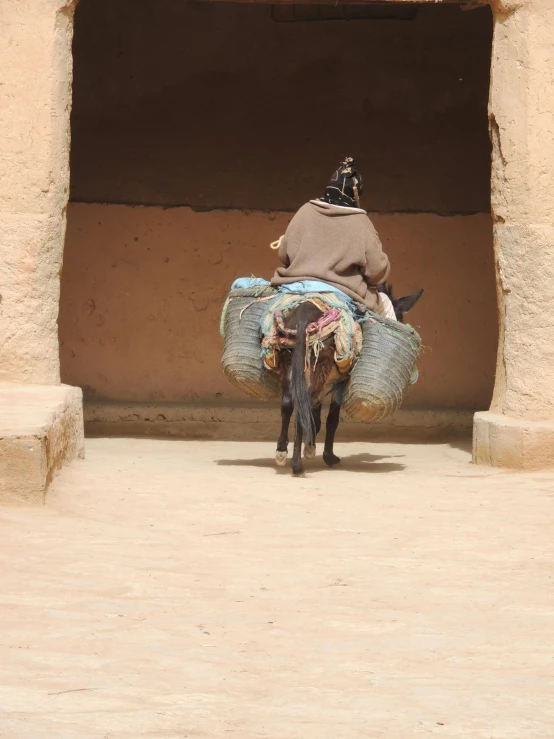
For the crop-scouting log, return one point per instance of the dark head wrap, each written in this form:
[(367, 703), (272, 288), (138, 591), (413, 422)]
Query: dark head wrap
[(343, 186)]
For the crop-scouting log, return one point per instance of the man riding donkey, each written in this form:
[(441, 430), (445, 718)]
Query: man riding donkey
[(332, 239), (330, 245)]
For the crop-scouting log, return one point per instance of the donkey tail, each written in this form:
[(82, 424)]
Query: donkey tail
[(299, 387)]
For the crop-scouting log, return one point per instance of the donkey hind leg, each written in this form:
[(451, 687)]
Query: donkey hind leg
[(333, 417), (309, 451), (286, 413)]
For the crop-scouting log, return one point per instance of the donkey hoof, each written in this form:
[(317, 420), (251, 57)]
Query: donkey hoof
[(309, 452), (331, 459), (281, 459)]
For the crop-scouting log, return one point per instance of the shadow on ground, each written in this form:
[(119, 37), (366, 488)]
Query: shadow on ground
[(352, 463)]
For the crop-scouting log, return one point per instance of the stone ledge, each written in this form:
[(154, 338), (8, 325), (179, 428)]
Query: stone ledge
[(513, 443), (255, 421), (41, 429)]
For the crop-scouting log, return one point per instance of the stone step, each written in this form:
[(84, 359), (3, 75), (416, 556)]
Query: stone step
[(41, 429)]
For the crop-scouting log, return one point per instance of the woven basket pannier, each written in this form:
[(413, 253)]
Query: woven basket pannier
[(384, 368), (242, 362)]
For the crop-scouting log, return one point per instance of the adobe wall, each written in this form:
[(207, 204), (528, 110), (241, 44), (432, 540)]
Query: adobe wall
[(41, 422), (143, 289), (518, 431), (35, 97)]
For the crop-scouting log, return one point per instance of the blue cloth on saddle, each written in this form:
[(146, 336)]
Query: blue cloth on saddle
[(297, 288), (245, 283), (314, 286)]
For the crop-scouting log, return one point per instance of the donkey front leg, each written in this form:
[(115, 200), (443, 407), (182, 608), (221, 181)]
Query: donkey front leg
[(286, 413), (329, 458)]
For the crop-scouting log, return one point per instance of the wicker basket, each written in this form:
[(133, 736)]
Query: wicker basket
[(241, 361), (383, 370)]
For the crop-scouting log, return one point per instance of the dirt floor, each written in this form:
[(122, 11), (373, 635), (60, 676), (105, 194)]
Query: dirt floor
[(187, 589)]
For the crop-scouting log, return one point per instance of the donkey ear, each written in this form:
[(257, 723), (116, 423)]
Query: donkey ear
[(403, 305)]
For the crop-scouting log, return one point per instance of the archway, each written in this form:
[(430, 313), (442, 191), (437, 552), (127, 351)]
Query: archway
[(35, 106), (188, 158)]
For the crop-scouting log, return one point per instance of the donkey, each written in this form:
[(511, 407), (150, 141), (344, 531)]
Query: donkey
[(325, 379)]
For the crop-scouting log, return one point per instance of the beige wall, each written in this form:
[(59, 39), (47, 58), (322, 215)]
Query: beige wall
[(519, 430), (35, 97), (143, 288)]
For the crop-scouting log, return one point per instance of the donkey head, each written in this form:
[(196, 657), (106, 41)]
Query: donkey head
[(400, 305)]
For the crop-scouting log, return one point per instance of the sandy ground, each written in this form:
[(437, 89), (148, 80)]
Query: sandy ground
[(187, 589)]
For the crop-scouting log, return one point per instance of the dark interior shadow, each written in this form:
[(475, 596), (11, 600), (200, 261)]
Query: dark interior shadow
[(353, 463)]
